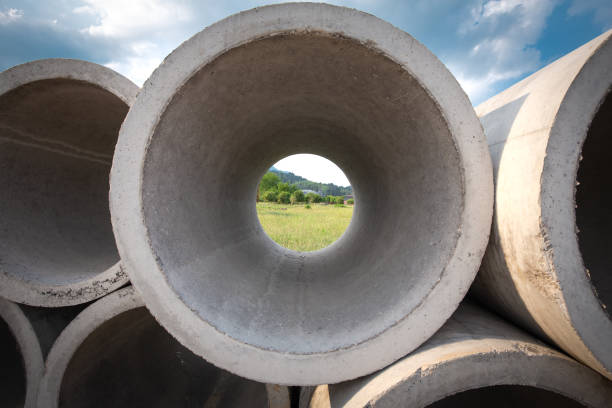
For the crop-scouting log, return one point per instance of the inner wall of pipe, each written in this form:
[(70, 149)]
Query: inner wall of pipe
[(302, 93), (506, 396), (594, 203), (12, 371), (57, 139), (131, 360)]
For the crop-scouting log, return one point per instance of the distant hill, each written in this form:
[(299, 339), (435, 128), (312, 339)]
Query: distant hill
[(304, 184)]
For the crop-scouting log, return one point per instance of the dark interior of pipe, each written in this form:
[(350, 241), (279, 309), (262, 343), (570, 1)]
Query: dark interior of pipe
[(12, 371), (594, 203), (131, 361), (57, 139), (506, 396), (302, 93)]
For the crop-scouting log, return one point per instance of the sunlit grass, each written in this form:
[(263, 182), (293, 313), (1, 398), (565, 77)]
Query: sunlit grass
[(302, 229)]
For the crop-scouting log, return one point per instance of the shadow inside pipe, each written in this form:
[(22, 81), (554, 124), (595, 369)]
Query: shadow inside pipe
[(12, 372), (131, 360)]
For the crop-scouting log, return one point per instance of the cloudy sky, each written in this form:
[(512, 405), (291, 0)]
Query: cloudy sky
[(487, 45)]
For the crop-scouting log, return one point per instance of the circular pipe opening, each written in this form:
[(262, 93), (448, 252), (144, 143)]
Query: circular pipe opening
[(246, 110), (593, 203), (294, 215), (12, 370), (299, 78), (130, 360), (506, 396), (59, 123)]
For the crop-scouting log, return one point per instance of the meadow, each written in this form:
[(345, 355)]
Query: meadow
[(304, 229)]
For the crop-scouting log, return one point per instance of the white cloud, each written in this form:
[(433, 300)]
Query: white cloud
[(128, 19), (500, 35), (313, 168), (10, 15)]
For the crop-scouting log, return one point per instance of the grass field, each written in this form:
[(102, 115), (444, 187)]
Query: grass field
[(301, 229)]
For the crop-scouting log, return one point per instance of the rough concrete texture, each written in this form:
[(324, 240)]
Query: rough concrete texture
[(265, 84), (548, 263), (114, 354), (475, 360), (59, 121), (21, 359)]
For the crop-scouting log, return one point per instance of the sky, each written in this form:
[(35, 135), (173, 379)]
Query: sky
[(487, 44)]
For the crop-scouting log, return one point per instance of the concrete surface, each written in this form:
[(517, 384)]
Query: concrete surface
[(548, 263), (265, 84), (114, 353), (475, 360), (59, 121), (22, 365)]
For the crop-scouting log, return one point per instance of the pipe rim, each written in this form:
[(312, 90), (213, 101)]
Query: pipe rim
[(132, 236), (31, 292), (591, 86), (27, 340)]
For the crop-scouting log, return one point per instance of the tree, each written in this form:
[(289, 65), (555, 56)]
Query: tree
[(350, 201), (298, 196), (270, 196), (313, 198), (269, 182), (339, 200), (284, 197)]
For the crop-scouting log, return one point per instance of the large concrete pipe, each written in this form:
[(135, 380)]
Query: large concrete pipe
[(59, 121), (21, 359), (114, 354), (548, 265), (475, 360), (265, 84)]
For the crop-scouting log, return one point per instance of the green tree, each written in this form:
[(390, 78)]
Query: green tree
[(339, 200), (284, 197), (350, 201), (313, 198), (299, 196), (270, 196), (269, 182)]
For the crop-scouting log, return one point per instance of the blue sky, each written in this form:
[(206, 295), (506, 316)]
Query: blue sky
[(487, 45)]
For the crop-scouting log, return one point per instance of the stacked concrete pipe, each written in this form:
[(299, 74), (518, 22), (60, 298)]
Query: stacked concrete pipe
[(548, 263), (21, 356), (476, 359), (114, 353), (250, 90), (59, 121)]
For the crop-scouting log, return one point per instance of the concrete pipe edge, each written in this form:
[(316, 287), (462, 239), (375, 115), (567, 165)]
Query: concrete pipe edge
[(359, 355), (474, 349), (533, 271), (92, 318), (90, 284), (31, 353)]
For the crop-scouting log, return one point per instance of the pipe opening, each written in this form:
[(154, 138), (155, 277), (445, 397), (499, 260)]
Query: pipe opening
[(507, 396), (12, 370), (300, 214), (270, 98), (57, 138), (593, 203), (131, 360)]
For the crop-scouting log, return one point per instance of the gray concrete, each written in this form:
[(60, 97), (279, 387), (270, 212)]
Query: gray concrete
[(548, 263), (21, 358), (59, 121), (114, 354), (265, 84), (475, 360)]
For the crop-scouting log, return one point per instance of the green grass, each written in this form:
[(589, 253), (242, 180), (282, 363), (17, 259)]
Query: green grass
[(302, 229)]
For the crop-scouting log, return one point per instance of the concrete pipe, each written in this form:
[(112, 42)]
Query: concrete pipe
[(265, 84), (548, 265), (114, 353), (476, 359), (59, 121), (21, 366)]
